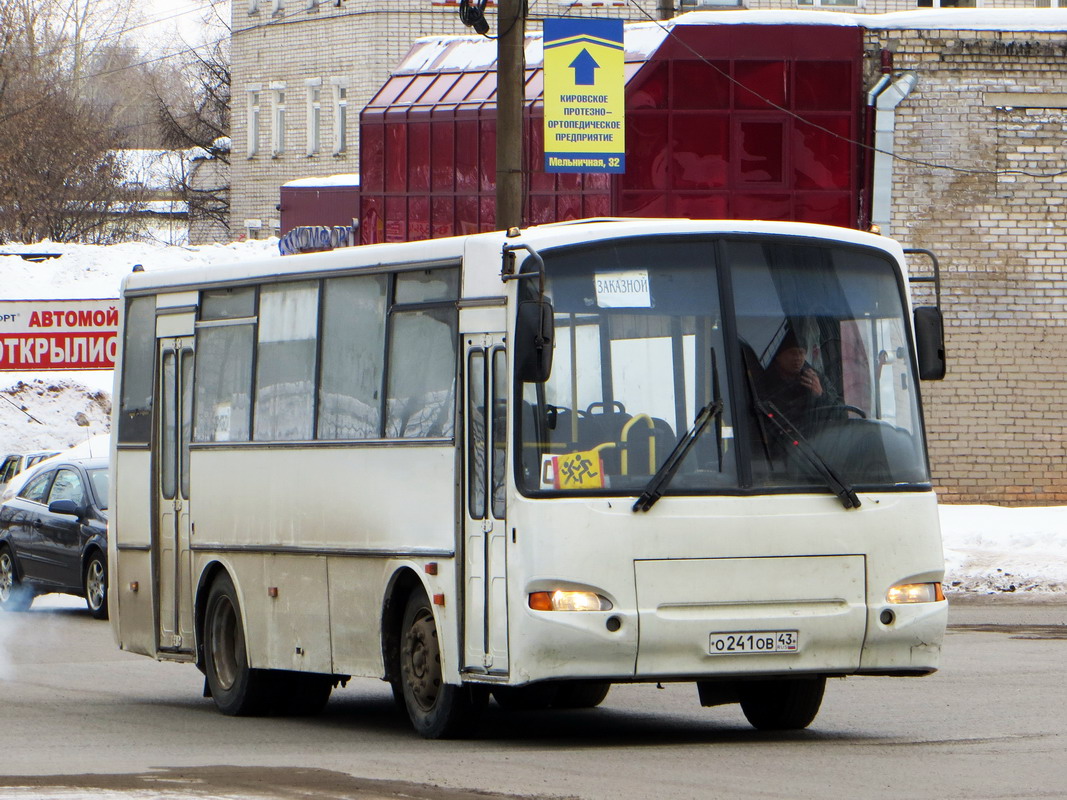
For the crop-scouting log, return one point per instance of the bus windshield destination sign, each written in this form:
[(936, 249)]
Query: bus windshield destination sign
[(585, 104)]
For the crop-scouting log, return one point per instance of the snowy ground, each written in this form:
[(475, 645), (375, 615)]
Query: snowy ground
[(988, 550)]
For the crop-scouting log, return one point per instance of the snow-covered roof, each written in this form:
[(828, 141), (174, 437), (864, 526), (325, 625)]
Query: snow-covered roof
[(642, 39)]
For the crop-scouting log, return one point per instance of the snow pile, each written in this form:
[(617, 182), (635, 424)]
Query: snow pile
[(51, 414), (991, 550)]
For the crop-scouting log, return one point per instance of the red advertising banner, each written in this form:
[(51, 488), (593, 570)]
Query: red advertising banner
[(58, 334)]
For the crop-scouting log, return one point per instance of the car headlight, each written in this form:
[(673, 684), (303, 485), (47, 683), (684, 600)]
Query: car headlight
[(915, 593), (560, 600)]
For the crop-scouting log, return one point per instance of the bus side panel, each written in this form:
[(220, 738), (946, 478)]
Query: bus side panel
[(132, 609), (357, 586), (389, 499), (295, 613), (311, 536)]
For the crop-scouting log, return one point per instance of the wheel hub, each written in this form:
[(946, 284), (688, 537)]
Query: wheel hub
[(7, 577), (94, 584), (422, 661)]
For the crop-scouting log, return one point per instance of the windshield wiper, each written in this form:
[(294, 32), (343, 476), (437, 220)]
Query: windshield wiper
[(659, 482), (796, 443), (794, 440)]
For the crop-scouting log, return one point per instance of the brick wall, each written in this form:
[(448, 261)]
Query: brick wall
[(987, 102)]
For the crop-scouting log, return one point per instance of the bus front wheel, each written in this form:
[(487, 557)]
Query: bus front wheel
[(237, 689), (782, 705), (437, 710)]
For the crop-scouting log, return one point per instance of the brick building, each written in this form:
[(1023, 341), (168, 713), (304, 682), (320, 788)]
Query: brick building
[(978, 175), (990, 100)]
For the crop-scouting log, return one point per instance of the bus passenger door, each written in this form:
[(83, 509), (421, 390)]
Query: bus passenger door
[(485, 639), (173, 558)]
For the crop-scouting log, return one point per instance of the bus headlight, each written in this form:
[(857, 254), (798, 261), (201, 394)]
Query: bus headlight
[(915, 593), (560, 600)]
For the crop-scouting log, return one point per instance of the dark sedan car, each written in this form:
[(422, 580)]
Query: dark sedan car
[(53, 536)]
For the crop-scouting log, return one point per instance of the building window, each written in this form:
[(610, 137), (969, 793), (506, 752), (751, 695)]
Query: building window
[(314, 115), (830, 3), (277, 123), (276, 6), (253, 6), (254, 96), (950, 3), (340, 115), (312, 5)]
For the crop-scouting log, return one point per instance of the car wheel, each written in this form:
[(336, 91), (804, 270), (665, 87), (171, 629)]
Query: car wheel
[(96, 585), (782, 705), (437, 710), (14, 595), (236, 688)]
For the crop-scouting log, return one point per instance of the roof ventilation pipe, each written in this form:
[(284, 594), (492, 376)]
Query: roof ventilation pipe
[(885, 97)]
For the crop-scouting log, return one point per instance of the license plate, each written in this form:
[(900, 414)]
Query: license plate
[(754, 642)]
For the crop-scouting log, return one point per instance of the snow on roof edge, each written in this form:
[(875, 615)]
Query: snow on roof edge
[(470, 52)]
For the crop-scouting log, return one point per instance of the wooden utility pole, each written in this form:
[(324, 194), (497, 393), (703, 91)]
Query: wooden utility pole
[(666, 9), (510, 98)]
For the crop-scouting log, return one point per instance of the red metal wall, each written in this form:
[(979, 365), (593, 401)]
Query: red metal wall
[(327, 206), (767, 130)]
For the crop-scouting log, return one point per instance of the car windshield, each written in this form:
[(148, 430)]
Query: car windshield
[(98, 477), (646, 336)]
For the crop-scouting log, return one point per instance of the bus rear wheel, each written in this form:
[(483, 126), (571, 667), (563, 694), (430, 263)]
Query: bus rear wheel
[(437, 710), (782, 705), (237, 689)]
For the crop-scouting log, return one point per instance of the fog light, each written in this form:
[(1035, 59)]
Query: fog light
[(915, 593), (568, 601)]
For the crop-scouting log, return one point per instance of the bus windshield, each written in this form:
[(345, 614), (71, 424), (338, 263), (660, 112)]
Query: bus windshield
[(792, 340)]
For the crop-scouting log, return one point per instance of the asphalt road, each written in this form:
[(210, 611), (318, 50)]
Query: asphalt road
[(80, 719)]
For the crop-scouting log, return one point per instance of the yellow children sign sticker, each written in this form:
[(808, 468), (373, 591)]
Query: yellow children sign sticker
[(585, 95), (581, 470)]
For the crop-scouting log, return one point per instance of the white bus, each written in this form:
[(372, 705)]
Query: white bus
[(529, 465)]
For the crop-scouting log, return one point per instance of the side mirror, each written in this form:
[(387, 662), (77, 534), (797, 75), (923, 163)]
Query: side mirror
[(534, 340), (930, 343), (66, 507)]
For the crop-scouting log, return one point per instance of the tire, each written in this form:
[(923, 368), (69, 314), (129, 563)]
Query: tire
[(14, 594), (95, 585), (237, 689), (581, 694), (782, 705), (437, 710), (300, 694)]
